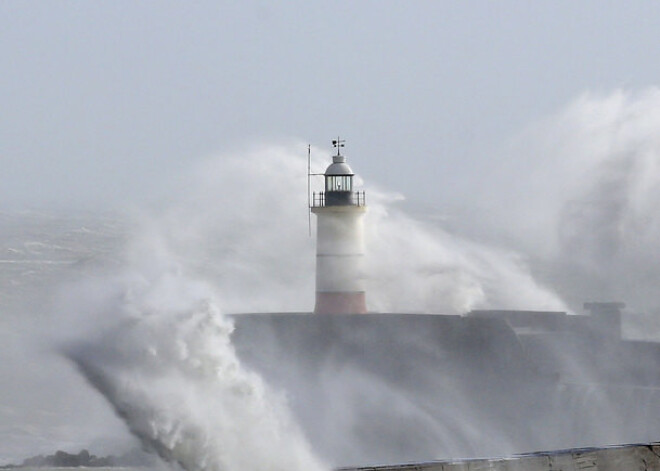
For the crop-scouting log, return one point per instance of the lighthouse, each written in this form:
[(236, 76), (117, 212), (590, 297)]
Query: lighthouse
[(339, 241)]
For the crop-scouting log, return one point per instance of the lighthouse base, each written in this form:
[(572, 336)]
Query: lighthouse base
[(340, 303)]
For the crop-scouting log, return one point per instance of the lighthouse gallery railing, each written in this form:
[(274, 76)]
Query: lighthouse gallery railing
[(357, 198)]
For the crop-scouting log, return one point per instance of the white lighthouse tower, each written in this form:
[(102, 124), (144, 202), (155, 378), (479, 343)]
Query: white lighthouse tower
[(339, 241)]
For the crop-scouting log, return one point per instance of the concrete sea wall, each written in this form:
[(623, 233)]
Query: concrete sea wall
[(618, 458), (405, 388)]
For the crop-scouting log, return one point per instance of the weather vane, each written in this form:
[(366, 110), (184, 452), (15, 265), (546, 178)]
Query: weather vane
[(339, 143)]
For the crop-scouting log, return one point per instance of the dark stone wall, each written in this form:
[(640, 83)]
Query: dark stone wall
[(392, 388)]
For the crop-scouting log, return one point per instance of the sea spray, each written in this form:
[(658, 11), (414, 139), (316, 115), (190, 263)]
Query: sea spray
[(240, 220), (166, 364), (232, 212), (140, 329), (577, 192)]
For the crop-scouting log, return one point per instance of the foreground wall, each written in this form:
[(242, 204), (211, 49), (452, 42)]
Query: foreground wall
[(404, 388), (619, 458)]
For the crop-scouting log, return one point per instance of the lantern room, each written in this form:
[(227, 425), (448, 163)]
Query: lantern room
[(338, 182)]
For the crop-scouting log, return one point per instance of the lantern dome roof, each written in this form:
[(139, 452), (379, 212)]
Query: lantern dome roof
[(338, 166)]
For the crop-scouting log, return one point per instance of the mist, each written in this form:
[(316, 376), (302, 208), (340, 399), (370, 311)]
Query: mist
[(256, 247), (160, 353), (568, 216), (574, 192)]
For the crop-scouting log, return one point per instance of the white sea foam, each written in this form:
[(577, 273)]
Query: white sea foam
[(254, 245), (165, 363), (580, 196)]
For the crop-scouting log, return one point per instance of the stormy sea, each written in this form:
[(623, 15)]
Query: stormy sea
[(145, 329)]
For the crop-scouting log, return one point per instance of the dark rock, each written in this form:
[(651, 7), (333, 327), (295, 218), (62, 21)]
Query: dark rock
[(62, 459)]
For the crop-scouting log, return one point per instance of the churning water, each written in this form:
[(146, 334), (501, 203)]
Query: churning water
[(120, 296), (167, 366)]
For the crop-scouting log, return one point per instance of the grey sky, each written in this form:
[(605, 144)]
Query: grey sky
[(104, 102)]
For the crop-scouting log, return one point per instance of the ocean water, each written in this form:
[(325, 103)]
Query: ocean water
[(97, 326), (43, 405), (77, 279), (40, 249), (90, 339), (159, 283)]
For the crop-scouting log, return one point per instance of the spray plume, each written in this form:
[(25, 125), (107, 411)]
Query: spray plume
[(238, 222), (160, 352), (257, 237), (165, 363), (584, 207)]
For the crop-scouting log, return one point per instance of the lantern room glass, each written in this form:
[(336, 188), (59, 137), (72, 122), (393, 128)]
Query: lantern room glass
[(339, 183)]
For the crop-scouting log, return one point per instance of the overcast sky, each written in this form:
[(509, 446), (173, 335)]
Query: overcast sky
[(107, 102)]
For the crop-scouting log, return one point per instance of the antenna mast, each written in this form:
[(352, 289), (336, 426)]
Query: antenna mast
[(309, 175), (338, 143)]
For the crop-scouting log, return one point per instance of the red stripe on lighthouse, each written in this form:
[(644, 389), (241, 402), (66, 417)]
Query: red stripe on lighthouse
[(340, 303)]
